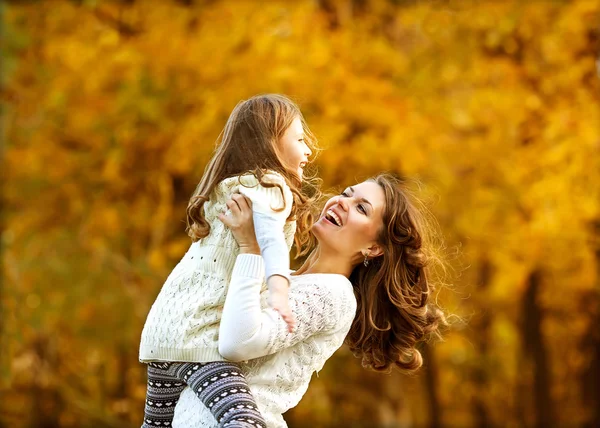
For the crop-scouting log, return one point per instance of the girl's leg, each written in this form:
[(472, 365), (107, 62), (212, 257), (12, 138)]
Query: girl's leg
[(163, 393), (223, 389)]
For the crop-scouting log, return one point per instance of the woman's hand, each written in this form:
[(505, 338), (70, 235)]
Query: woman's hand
[(241, 224)]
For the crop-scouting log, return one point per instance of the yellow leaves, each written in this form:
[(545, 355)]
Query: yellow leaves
[(156, 259), (491, 103), (33, 301), (533, 102), (450, 73), (109, 39), (113, 164), (176, 248), (461, 119), (104, 223)]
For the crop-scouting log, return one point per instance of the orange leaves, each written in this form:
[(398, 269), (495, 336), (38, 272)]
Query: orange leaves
[(113, 109)]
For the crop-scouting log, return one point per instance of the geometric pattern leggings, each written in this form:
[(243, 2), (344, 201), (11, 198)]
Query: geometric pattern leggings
[(220, 385)]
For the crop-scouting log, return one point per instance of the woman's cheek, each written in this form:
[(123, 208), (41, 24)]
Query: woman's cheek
[(366, 232)]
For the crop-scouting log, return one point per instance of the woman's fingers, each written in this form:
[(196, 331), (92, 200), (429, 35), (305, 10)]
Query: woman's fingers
[(239, 207), (226, 220), (240, 212), (243, 202), (233, 206)]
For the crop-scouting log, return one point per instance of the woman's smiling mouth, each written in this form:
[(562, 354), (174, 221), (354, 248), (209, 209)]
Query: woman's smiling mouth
[(332, 217)]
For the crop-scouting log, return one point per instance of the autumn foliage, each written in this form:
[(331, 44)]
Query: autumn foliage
[(111, 110)]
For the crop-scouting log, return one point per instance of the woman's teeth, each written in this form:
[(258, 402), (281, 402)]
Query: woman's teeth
[(333, 217)]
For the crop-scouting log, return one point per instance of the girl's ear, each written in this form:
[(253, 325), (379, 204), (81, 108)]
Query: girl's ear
[(375, 251)]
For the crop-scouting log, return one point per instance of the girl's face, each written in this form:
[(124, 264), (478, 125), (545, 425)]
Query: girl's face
[(350, 223), (293, 151)]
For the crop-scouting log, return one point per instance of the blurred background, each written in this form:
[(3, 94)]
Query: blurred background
[(111, 109)]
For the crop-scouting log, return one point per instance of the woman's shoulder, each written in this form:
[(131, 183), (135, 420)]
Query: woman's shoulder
[(320, 278), (324, 283), (329, 295)]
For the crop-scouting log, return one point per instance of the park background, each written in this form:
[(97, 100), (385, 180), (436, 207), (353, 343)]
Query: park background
[(110, 110)]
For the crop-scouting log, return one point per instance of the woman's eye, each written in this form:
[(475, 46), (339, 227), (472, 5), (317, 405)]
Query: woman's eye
[(362, 209), (345, 194)]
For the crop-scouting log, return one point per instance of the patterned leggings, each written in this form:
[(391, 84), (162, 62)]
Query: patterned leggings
[(220, 385)]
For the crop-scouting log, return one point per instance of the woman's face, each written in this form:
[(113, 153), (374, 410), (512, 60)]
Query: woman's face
[(350, 222)]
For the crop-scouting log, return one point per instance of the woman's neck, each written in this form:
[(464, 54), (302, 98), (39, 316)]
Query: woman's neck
[(321, 261)]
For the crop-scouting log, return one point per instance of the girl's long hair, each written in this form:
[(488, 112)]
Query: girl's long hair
[(394, 293), (248, 144)]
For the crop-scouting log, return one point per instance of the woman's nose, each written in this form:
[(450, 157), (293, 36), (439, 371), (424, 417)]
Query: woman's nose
[(343, 203)]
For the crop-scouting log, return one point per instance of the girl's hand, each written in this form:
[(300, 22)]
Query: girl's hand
[(278, 299), (241, 224)]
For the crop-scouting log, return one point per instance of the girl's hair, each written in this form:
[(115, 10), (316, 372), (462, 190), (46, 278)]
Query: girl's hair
[(248, 144), (393, 292)]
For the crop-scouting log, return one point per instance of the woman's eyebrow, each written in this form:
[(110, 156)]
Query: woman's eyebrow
[(361, 199)]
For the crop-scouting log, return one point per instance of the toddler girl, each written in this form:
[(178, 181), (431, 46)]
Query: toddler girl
[(263, 150)]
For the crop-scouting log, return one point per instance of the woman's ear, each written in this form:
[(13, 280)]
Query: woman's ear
[(375, 250)]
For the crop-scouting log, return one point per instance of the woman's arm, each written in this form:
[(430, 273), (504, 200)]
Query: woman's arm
[(248, 331)]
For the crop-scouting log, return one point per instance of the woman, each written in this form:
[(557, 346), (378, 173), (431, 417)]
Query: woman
[(365, 283)]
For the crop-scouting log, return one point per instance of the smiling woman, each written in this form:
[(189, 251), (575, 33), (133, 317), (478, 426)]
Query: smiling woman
[(351, 220), (364, 283), (332, 216)]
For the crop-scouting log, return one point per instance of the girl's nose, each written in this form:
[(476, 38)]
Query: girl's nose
[(307, 150)]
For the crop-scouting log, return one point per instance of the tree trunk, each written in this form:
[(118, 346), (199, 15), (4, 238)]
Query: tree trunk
[(47, 402), (535, 349), (590, 345), (481, 326), (590, 378), (431, 386)]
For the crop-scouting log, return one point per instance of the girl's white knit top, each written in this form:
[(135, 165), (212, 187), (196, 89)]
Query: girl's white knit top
[(279, 374), (183, 323)]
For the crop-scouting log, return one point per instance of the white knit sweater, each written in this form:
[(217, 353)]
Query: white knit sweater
[(183, 323), (324, 306)]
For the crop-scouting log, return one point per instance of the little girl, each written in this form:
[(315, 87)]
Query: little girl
[(263, 150)]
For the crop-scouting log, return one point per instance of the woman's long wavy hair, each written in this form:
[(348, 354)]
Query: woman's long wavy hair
[(394, 293), (249, 144)]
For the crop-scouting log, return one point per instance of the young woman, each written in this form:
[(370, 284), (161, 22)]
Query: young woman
[(365, 283)]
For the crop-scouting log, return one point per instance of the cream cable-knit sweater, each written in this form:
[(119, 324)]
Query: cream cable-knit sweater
[(324, 306), (183, 323)]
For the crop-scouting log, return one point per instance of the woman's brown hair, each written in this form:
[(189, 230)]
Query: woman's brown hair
[(248, 144), (394, 293)]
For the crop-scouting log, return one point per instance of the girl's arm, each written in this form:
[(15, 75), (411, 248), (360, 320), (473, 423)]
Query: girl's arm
[(271, 240), (271, 207), (247, 331)]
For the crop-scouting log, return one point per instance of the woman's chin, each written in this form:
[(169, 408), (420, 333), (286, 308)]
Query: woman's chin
[(321, 229), (317, 228)]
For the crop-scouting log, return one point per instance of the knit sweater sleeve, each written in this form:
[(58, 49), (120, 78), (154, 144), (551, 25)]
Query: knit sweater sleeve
[(248, 331), (271, 207)]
